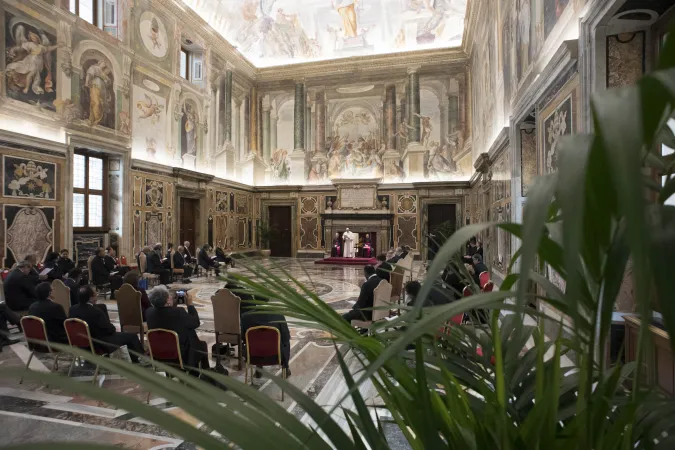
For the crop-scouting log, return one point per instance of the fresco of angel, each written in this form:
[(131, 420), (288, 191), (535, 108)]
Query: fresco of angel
[(28, 59), (149, 108)]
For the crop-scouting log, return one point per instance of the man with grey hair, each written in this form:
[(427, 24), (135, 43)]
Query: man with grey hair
[(165, 314)]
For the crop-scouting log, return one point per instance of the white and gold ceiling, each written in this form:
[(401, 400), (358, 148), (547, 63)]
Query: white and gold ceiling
[(281, 32)]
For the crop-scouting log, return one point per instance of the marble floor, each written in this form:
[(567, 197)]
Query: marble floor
[(32, 413)]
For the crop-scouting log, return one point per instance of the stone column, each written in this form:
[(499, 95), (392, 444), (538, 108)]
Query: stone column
[(253, 121), (267, 150), (236, 128), (403, 116), (228, 106), (444, 108), (320, 122), (390, 116), (297, 157), (252, 168), (247, 126), (453, 113), (273, 130), (413, 158), (312, 127), (219, 114)]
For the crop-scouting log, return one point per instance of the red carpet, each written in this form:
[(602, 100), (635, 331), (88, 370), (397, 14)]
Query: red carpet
[(347, 261)]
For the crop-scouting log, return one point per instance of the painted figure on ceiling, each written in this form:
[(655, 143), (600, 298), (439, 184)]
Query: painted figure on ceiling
[(347, 10), (29, 57)]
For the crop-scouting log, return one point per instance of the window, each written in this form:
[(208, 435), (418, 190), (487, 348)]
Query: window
[(184, 64), (89, 191), (101, 13)]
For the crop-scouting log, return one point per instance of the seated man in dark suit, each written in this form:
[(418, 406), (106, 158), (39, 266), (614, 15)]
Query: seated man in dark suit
[(169, 249), (164, 314), (101, 273), (222, 257), (64, 262), (52, 313), (438, 295), (157, 266), (113, 262), (34, 275), (478, 267), (397, 256), (179, 262), (404, 251), (472, 248), (451, 277), (383, 269), (99, 324), (20, 287), (74, 282), (252, 319), (205, 261), (51, 262), (366, 297)]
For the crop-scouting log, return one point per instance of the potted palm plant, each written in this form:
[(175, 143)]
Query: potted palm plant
[(265, 234)]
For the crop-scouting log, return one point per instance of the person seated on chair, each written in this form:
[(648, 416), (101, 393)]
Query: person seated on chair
[(252, 319), (222, 257), (205, 261), (478, 267), (362, 309), (180, 262), (157, 266), (19, 287), (113, 262), (336, 251), (100, 327), (64, 262), (74, 282), (397, 256), (472, 248), (34, 275), (451, 277), (132, 278), (438, 295), (188, 255), (169, 249), (165, 314), (367, 246), (51, 312), (404, 251), (7, 315), (101, 273), (51, 262), (383, 269)]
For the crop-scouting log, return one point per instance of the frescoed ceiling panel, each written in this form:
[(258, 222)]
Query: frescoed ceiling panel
[(280, 32)]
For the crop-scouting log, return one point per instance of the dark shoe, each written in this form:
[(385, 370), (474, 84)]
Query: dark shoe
[(258, 373), (288, 373)]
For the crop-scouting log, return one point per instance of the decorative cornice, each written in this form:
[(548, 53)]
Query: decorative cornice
[(470, 22), (192, 175), (500, 143)]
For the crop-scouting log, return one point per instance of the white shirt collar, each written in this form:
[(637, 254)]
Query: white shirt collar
[(373, 275)]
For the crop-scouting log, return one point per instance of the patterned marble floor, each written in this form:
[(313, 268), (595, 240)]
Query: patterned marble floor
[(33, 413)]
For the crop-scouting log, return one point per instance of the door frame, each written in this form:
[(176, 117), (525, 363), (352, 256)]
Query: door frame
[(459, 218), (201, 229), (295, 232)]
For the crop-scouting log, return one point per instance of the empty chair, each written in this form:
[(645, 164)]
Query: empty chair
[(227, 321), (80, 337), (130, 311), (35, 331), (263, 349), (61, 294)]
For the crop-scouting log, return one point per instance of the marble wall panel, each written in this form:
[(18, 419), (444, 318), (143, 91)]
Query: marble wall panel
[(29, 178), (559, 118), (625, 58), (86, 245), (309, 233), (528, 159), (28, 231), (406, 231)]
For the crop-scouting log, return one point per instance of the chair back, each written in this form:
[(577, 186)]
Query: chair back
[(226, 318), (165, 346), (171, 253), (129, 308), (381, 298), (457, 320), (484, 278), (263, 346), (396, 277), (61, 294), (123, 260), (78, 334), (35, 331), (91, 274), (466, 292), (407, 264), (143, 261), (488, 287)]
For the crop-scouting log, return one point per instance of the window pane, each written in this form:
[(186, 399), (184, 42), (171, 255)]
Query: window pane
[(95, 210), (73, 6), (78, 171), (96, 174), (110, 12), (78, 210), (87, 10), (183, 64)]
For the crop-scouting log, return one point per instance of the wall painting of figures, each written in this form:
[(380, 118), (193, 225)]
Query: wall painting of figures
[(97, 91)]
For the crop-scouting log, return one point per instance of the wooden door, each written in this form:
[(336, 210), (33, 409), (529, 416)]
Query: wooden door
[(438, 215), (188, 222), (282, 242)]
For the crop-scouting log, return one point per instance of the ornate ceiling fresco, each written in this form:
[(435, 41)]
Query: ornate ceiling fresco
[(280, 32)]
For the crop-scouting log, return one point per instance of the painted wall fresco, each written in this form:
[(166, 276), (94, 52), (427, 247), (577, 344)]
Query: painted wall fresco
[(500, 190), (355, 150), (97, 91), (149, 120), (30, 61), (559, 118), (553, 9), (25, 178), (274, 32)]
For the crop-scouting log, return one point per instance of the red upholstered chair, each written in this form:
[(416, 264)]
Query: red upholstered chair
[(164, 346), (484, 278), (80, 337), (35, 331), (4, 274), (123, 260), (263, 348), (488, 287), (466, 292)]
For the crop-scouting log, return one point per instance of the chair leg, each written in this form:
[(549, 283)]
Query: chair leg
[(246, 375), (283, 375), (27, 365), (95, 375), (72, 364), (217, 350), (239, 349), (56, 362)]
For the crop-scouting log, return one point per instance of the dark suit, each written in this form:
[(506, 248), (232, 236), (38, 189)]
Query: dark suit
[(453, 280), (193, 350), (439, 295), (156, 266), (65, 265), (19, 290), (102, 266), (222, 257), (53, 315), (74, 287), (101, 329), (180, 263), (251, 319), (384, 271), (366, 300), (206, 262), (478, 269), (55, 273), (394, 259), (188, 256), (7, 315)]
